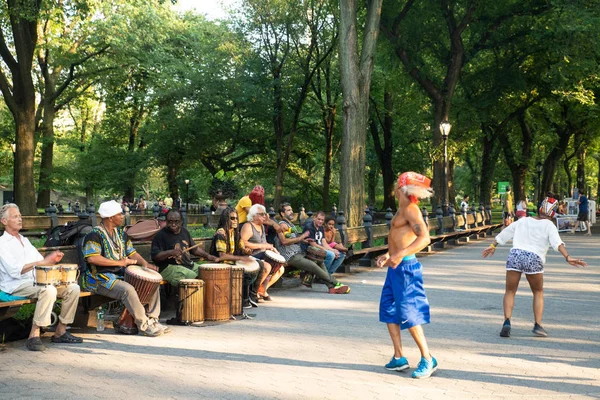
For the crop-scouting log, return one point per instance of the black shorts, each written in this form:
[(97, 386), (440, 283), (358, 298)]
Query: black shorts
[(582, 216), (507, 214)]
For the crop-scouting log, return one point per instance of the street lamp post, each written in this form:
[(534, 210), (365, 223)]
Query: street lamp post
[(539, 168), (187, 195), (445, 127), (13, 147)]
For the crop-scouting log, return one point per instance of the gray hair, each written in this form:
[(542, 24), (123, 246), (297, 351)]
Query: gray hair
[(5, 208), (256, 209)]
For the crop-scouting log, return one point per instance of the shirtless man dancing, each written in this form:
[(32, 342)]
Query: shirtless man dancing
[(403, 302)]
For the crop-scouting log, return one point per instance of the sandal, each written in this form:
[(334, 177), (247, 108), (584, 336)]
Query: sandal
[(35, 344), (66, 338)]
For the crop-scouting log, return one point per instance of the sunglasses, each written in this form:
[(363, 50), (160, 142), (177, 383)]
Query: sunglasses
[(233, 218)]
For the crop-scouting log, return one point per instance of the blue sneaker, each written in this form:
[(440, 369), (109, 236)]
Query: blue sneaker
[(397, 364), (425, 368)]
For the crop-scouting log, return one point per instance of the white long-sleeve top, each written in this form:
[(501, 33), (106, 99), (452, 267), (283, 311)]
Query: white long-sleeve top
[(13, 256), (533, 235)]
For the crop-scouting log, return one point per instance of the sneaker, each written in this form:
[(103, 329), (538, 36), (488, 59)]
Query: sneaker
[(247, 304), (150, 329), (253, 303), (163, 328), (340, 288), (539, 331), (505, 331), (397, 364), (425, 368)]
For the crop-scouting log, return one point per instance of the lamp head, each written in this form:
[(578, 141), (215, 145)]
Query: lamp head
[(445, 127)]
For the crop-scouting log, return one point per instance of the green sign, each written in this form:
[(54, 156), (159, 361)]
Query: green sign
[(502, 187)]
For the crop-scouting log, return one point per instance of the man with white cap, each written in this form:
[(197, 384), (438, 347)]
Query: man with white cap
[(108, 251)]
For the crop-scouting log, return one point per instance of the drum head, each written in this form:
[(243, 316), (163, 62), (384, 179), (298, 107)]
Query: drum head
[(214, 266), (69, 267), (275, 257), (46, 267), (249, 266), (138, 270), (191, 282)]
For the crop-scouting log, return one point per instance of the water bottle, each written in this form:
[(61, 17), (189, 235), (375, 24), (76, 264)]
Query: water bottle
[(100, 320)]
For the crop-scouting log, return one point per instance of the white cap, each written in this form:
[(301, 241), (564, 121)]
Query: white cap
[(109, 209)]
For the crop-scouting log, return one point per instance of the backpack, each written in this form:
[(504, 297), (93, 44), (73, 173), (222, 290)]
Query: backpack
[(65, 235)]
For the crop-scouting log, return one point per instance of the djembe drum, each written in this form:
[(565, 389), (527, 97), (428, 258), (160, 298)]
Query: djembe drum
[(316, 254), (251, 271), (217, 291), (276, 260), (237, 290), (191, 301), (145, 282)]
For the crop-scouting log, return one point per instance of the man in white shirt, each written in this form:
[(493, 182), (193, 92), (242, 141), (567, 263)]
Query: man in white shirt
[(18, 259)]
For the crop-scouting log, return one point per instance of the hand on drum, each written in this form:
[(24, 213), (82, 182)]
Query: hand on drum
[(54, 257), (125, 262), (151, 266)]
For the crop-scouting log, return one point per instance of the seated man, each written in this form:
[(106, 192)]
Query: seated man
[(108, 251), (229, 247), (170, 254), (288, 244), (315, 238), (18, 258), (338, 249)]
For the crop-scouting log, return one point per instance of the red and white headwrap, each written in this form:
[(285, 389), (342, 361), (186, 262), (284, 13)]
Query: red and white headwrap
[(415, 186), (549, 206)]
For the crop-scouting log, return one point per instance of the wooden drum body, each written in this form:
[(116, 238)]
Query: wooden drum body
[(276, 260), (69, 274), (145, 282), (316, 254), (237, 286), (217, 291), (46, 275), (191, 300)]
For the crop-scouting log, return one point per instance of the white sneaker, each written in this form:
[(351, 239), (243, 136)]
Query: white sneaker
[(156, 323), (150, 329)]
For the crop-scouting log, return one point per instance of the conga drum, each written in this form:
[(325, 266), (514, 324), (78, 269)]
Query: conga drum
[(145, 282), (316, 254), (217, 291), (237, 289), (276, 260), (191, 301), (46, 275), (69, 273)]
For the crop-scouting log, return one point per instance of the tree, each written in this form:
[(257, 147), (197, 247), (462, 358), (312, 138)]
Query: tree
[(356, 68)]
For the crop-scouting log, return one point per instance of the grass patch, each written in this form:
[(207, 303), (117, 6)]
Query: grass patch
[(199, 231)]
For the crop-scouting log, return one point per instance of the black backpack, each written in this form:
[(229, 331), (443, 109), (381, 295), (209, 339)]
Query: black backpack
[(70, 234)]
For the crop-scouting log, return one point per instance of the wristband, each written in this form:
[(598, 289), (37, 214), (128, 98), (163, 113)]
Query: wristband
[(493, 246), (567, 258)]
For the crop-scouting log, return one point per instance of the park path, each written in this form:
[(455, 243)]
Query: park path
[(307, 344)]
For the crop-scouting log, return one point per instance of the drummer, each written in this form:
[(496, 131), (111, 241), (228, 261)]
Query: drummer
[(254, 236), (169, 251), (288, 244), (18, 258), (108, 251), (229, 247)]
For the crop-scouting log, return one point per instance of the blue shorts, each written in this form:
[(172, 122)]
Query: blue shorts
[(403, 300)]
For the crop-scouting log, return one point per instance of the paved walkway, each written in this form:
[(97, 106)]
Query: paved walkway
[(307, 344)]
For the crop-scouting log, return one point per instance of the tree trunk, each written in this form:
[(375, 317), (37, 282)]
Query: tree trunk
[(355, 76), (46, 163), (329, 123), (491, 152), (24, 187), (551, 162), (372, 186), (580, 155), (384, 153)]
